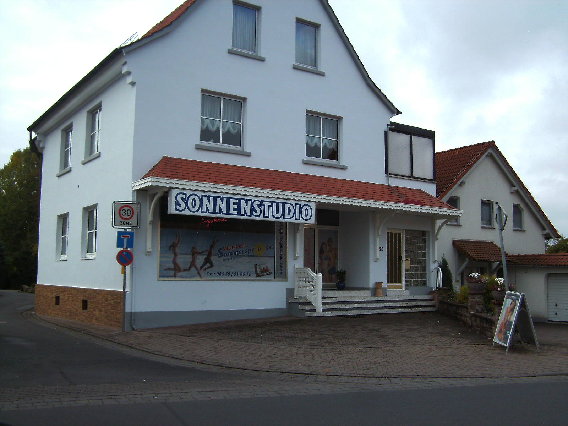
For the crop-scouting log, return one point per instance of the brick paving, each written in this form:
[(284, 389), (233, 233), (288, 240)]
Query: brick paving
[(419, 345)]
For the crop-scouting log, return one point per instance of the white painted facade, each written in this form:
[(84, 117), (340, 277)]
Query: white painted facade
[(488, 180), (150, 95)]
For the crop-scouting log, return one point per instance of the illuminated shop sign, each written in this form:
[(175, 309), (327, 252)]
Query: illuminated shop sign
[(234, 206)]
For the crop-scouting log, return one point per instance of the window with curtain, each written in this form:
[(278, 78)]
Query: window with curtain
[(221, 120), (487, 213), (244, 28), (322, 137), (517, 217), (306, 44)]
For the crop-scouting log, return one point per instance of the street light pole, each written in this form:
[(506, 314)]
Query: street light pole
[(501, 218)]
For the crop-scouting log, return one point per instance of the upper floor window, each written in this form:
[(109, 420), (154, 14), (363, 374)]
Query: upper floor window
[(306, 44), (322, 137), (487, 213), (94, 131), (221, 120), (517, 217), (90, 231), (245, 28), (410, 152), (66, 142), (454, 201), (62, 235)]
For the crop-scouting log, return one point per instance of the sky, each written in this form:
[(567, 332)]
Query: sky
[(471, 70)]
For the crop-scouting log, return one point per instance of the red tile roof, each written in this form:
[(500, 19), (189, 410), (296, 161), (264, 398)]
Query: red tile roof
[(551, 259), (231, 175), (487, 251), (481, 251), (171, 18), (453, 164)]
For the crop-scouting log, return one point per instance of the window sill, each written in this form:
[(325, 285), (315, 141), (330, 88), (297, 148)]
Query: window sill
[(220, 148), (418, 179), (62, 258), (308, 69), (454, 224), (89, 257), (245, 54), (91, 157), (324, 163), (63, 172), (519, 230), (487, 227)]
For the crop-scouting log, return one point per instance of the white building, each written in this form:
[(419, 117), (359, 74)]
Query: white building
[(475, 179), (264, 149)]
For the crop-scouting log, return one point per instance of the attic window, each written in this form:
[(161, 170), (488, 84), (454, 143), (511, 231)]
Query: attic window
[(245, 28), (306, 44)]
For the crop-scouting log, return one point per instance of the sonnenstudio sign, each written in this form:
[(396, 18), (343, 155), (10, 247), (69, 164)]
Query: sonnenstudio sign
[(225, 205)]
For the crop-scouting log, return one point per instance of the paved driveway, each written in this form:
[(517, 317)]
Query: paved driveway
[(426, 345)]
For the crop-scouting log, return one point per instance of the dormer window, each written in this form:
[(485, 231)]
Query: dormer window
[(409, 152)]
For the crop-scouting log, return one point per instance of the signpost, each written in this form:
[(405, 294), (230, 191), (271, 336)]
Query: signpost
[(125, 214)]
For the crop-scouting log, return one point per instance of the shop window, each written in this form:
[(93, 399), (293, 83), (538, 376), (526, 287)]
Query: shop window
[(207, 248)]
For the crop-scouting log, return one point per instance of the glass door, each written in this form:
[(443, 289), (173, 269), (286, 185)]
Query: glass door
[(395, 249)]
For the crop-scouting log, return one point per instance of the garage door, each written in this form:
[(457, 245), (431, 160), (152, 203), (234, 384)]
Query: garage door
[(558, 297)]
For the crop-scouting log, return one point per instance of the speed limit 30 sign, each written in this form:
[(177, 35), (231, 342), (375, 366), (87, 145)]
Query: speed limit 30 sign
[(125, 214)]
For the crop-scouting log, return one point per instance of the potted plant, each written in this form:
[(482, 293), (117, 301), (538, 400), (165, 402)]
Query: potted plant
[(496, 286), (340, 284)]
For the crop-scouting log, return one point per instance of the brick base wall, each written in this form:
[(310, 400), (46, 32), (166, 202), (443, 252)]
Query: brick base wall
[(483, 324), (101, 307)]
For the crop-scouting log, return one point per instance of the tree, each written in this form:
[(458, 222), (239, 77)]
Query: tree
[(447, 279), (558, 245), (19, 215)]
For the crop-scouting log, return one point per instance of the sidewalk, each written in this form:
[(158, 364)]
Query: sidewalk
[(417, 345)]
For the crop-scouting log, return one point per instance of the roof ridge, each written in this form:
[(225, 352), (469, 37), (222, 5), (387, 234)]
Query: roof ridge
[(170, 19), (489, 143)]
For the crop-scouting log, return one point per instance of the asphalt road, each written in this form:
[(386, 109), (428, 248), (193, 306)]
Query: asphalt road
[(51, 376)]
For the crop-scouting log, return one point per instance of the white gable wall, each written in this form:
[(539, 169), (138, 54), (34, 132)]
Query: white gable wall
[(171, 71), (487, 181)]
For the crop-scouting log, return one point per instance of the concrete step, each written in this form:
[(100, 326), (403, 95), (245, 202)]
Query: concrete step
[(379, 305), (353, 312)]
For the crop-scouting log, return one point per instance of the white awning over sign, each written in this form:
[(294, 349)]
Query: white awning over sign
[(239, 207)]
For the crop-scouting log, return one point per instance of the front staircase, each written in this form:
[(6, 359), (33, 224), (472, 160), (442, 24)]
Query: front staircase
[(360, 302)]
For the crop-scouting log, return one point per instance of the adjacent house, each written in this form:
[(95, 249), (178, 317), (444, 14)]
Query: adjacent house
[(257, 146), (476, 179)]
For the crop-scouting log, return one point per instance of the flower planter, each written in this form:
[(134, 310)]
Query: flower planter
[(476, 287), (498, 296)]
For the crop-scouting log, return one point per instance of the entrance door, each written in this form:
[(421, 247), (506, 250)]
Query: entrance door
[(320, 251), (395, 249)]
